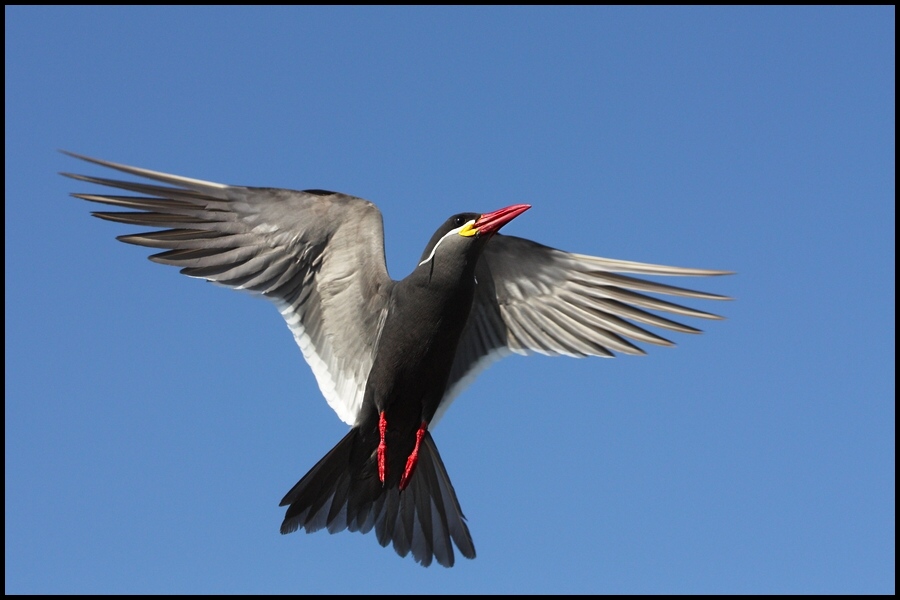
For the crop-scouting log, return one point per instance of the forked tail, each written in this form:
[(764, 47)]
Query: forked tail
[(343, 491)]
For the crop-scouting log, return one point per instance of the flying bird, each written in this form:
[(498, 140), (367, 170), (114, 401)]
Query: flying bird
[(390, 356)]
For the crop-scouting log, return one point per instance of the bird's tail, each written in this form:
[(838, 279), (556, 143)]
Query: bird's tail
[(344, 492)]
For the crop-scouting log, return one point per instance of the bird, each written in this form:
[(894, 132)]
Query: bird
[(390, 356)]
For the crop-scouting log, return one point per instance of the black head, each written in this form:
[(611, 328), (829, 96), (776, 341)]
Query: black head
[(455, 222), (473, 229)]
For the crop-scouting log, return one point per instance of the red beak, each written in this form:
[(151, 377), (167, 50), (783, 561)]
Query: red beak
[(492, 222)]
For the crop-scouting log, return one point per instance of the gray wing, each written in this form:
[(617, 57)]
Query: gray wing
[(533, 298), (319, 256)]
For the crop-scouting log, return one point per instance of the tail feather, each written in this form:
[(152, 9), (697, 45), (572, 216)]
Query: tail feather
[(437, 513), (423, 504), (337, 516), (366, 518), (310, 501), (425, 518), (456, 521), (386, 522)]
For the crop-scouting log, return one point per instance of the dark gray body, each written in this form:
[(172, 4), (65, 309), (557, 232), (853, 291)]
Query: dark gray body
[(414, 356)]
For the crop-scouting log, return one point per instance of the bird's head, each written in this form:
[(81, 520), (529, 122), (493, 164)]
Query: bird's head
[(464, 233)]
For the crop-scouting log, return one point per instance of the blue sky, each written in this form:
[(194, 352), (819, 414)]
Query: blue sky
[(153, 422)]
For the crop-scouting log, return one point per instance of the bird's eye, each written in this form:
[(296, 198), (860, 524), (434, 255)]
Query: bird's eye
[(460, 220)]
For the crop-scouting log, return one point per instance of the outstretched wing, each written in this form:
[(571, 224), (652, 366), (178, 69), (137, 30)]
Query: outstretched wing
[(319, 256), (533, 298)]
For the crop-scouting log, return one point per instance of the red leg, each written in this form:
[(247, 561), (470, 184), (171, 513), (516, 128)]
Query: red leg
[(382, 448), (413, 459)]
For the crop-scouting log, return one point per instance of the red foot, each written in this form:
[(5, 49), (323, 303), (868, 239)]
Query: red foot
[(382, 448), (413, 459)]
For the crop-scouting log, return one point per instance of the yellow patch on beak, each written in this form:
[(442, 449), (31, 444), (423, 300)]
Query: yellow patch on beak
[(468, 230)]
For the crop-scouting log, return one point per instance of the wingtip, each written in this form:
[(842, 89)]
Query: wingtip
[(90, 159), (79, 157), (185, 182), (717, 297), (83, 157)]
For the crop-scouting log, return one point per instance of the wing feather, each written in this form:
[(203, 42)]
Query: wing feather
[(533, 298), (319, 256)]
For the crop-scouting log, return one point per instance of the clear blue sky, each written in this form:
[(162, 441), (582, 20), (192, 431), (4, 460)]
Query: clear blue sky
[(153, 422)]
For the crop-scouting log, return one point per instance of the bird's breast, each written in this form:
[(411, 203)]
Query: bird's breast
[(416, 352)]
